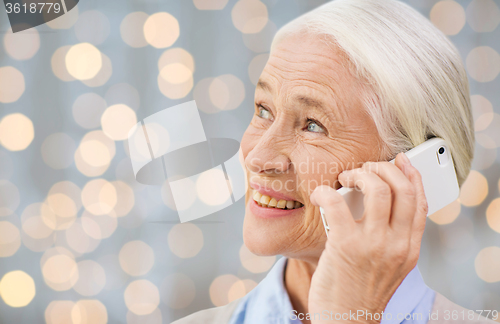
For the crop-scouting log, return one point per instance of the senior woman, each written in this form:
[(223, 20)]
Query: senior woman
[(349, 82)]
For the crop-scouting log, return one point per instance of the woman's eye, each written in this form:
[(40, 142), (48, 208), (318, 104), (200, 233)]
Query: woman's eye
[(312, 126), (264, 113)]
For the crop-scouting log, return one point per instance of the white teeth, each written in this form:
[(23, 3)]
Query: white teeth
[(281, 204), (264, 200), (270, 202)]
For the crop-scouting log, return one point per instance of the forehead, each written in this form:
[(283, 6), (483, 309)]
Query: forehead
[(306, 60), (305, 66)]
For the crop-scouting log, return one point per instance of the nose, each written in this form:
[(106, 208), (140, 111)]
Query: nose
[(268, 155)]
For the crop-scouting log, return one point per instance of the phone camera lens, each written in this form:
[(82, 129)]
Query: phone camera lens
[(441, 150)]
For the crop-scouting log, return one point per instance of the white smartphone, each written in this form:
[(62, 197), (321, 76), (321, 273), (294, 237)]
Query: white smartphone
[(434, 162)]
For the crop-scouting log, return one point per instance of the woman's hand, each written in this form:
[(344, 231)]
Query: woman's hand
[(365, 260)]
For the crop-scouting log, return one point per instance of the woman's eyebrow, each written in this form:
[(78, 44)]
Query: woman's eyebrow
[(264, 86), (308, 101), (304, 100)]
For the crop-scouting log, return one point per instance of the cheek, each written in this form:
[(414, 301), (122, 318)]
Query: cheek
[(319, 167)]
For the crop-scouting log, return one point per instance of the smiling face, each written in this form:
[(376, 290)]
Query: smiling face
[(309, 125)]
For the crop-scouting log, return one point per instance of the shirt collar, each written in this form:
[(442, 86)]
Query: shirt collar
[(269, 301)]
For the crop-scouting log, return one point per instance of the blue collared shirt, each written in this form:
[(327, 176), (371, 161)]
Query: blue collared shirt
[(269, 303)]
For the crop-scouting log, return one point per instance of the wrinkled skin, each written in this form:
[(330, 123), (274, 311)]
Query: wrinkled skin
[(309, 114)]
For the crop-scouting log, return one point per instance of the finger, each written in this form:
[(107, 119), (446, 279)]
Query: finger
[(404, 193), (337, 213), (422, 209), (377, 200)]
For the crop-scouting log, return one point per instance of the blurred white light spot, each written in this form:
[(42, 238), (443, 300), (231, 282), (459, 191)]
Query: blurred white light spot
[(33, 224), (174, 90), (103, 75), (89, 311), (61, 206), (202, 96), (136, 258), (11, 84), (493, 215), (483, 15), (58, 63), (256, 67), (210, 189), (125, 198), (131, 29), (16, 132), (98, 226), (161, 30), (240, 288), (487, 264), (474, 190), (159, 140), (59, 312), (185, 240), (227, 92), (91, 278), (176, 73), (117, 120), (249, 16), (10, 239), (482, 111), (210, 4), (483, 64), (60, 272), (485, 141), (17, 288), (99, 197), (83, 61), (176, 55), (219, 289), (153, 318), (448, 214), (92, 162), (142, 297), (448, 16), (22, 45)]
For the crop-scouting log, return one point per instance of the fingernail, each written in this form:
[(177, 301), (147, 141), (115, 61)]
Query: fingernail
[(406, 160)]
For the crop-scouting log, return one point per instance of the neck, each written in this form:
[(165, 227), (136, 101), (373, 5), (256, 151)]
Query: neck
[(298, 276)]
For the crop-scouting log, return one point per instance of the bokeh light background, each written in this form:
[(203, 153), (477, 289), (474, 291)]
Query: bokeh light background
[(82, 242)]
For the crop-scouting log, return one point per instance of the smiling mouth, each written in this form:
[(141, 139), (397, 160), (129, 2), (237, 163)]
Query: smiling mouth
[(270, 202)]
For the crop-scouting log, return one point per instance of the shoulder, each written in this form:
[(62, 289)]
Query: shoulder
[(443, 311), (215, 315)]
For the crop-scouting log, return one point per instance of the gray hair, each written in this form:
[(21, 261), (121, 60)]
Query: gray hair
[(419, 87)]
